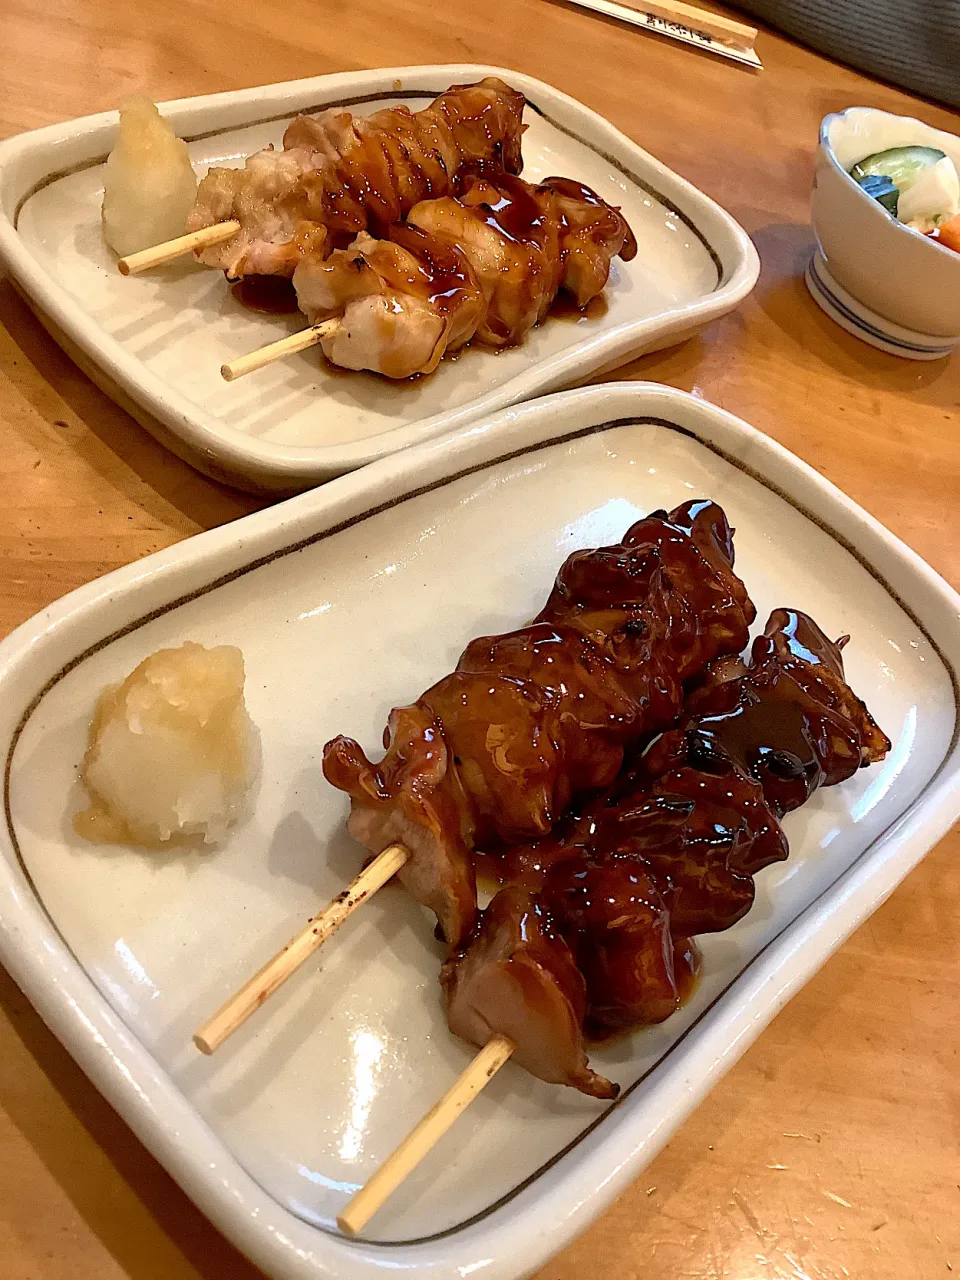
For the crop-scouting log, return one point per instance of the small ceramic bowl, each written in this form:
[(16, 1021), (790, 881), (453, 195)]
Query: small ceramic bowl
[(880, 280)]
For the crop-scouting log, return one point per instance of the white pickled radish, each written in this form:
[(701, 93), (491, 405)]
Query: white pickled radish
[(933, 196), (149, 185), (172, 752)]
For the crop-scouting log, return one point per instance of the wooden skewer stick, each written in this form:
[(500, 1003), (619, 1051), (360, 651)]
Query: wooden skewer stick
[(419, 1142), (275, 972), (277, 350), (158, 254)]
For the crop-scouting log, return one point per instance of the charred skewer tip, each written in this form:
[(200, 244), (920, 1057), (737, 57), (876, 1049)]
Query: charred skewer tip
[(235, 1012), (277, 350), (169, 250), (421, 1140)]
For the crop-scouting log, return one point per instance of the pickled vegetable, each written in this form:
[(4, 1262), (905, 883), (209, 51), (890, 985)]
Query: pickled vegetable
[(902, 165)]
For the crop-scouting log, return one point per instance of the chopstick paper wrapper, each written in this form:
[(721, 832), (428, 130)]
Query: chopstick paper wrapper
[(707, 31)]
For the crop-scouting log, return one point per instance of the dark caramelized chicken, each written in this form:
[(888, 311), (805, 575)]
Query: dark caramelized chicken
[(495, 753), (518, 979), (790, 720), (485, 263), (672, 848), (615, 918), (419, 803), (338, 174)]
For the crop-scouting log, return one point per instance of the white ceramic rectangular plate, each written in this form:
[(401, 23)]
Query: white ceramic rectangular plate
[(156, 342), (346, 601)]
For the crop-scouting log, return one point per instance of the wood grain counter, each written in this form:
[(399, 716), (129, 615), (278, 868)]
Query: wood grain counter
[(832, 1150)]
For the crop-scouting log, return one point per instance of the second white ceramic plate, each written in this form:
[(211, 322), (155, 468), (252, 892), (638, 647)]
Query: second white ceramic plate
[(156, 342), (349, 600)]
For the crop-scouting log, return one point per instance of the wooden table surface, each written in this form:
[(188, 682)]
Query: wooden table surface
[(831, 1150)]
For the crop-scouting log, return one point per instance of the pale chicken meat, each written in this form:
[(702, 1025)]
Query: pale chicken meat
[(484, 265), (338, 174), (403, 303), (275, 234)]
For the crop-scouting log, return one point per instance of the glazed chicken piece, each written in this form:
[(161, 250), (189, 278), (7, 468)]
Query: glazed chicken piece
[(516, 978), (340, 174), (592, 233), (404, 302), (533, 718), (619, 928), (525, 242), (702, 836), (526, 971), (702, 805), (789, 720), (486, 264), (672, 848), (414, 799), (510, 231), (696, 599)]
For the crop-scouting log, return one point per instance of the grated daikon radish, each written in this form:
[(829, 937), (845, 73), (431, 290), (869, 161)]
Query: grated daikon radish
[(149, 186), (172, 752)]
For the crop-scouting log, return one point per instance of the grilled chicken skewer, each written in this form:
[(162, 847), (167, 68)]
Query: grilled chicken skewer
[(485, 264), (663, 854), (338, 174), (496, 751), (603, 910)]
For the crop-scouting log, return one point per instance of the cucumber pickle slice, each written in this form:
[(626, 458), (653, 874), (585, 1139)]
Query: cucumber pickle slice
[(901, 165)]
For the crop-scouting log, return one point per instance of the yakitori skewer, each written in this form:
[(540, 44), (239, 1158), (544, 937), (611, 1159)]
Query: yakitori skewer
[(496, 752), (398, 1166), (170, 250), (594, 930), (603, 665), (593, 925), (483, 264), (235, 1012), (337, 174), (288, 346)]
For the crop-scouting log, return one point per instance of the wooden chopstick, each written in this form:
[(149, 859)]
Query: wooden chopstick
[(710, 32)]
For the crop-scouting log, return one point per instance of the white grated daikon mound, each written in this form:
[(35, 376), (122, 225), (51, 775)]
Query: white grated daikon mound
[(149, 185), (172, 752)]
